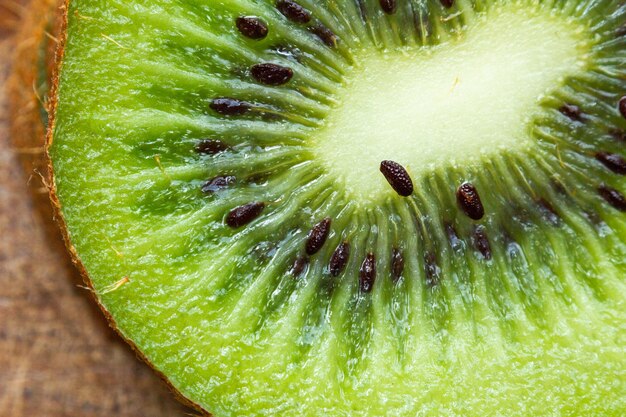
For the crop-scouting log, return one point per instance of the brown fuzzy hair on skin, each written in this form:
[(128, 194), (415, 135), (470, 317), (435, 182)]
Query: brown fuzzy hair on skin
[(31, 69), (47, 25), (31, 73)]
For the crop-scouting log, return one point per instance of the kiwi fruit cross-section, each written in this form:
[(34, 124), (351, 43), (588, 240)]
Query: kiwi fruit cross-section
[(353, 207)]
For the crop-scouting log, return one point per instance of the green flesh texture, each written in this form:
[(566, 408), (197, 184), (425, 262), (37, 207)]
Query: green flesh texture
[(537, 329)]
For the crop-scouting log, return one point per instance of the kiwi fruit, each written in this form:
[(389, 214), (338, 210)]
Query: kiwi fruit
[(353, 207)]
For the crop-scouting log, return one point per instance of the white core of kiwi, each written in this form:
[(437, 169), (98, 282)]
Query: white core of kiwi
[(452, 104)]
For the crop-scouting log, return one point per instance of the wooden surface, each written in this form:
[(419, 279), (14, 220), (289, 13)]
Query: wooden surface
[(58, 357)]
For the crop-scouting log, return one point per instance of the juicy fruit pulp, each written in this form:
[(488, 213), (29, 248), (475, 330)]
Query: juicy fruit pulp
[(233, 177), (449, 104)]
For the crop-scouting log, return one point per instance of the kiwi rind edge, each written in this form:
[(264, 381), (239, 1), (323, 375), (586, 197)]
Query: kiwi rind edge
[(59, 219)]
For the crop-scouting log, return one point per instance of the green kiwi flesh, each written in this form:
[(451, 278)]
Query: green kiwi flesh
[(354, 207)]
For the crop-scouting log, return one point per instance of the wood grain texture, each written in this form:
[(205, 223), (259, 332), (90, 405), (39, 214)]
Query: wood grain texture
[(58, 358)]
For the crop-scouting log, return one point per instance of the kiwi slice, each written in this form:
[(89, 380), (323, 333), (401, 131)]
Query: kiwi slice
[(354, 207)]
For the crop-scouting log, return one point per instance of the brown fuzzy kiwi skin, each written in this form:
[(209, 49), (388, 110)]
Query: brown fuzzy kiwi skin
[(30, 73), (25, 95), (60, 220)]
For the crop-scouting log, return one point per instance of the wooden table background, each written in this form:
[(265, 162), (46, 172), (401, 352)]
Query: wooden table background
[(58, 358)]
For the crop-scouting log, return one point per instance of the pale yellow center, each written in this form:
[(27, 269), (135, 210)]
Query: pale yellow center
[(452, 104)]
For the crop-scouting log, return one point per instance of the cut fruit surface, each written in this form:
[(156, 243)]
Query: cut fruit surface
[(452, 103), (354, 207)]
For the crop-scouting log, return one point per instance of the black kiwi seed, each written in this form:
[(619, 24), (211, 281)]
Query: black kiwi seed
[(252, 27), (618, 134), (622, 106), (613, 162), (389, 6), (447, 3), (271, 74), (431, 269), (397, 177), (326, 35), (211, 147), (362, 10), (230, 106), (397, 264), (548, 212), (218, 183), (558, 186), (242, 215), (293, 11), (469, 201), (318, 236), (259, 177), (299, 265), (339, 259), (593, 217), (455, 243), (481, 242), (571, 111), (367, 273), (613, 197), (621, 31)]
